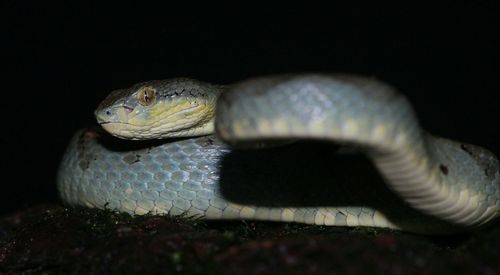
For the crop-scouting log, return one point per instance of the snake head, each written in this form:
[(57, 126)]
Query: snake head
[(159, 109)]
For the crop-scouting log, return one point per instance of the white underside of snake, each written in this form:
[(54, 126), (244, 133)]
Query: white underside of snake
[(273, 156)]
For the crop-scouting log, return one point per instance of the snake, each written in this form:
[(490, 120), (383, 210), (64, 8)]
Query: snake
[(322, 149)]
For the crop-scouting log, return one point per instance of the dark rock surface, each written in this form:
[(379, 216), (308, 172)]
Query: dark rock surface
[(50, 239)]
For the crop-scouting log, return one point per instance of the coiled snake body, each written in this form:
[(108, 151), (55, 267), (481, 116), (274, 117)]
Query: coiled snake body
[(284, 167)]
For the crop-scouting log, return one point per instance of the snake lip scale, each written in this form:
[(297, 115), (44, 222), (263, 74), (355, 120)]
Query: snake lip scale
[(279, 148)]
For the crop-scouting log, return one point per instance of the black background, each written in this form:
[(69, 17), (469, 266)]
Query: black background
[(60, 60)]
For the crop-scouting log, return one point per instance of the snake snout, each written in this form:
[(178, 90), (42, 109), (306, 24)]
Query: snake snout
[(110, 114), (103, 115)]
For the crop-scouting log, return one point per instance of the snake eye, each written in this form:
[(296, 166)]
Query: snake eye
[(146, 96)]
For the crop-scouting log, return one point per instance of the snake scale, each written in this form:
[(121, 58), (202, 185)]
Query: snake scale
[(338, 150)]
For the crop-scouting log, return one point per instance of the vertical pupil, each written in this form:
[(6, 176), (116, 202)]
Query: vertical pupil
[(146, 97)]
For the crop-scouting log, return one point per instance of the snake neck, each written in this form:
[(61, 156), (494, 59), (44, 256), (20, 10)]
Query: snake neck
[(205, 127)]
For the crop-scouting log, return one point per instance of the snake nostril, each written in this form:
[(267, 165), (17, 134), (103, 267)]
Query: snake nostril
[(108, 113)]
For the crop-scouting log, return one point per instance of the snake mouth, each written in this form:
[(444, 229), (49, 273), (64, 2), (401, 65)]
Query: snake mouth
[(170, 117), (120, 129), (101, 123)]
